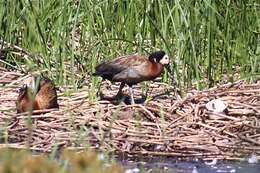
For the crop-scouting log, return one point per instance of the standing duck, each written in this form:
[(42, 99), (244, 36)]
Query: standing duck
[(42, 95), (133, 69)]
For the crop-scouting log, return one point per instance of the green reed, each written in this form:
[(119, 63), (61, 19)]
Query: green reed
[(209, 41)]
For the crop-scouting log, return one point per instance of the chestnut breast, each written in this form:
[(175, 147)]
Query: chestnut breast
[(155, 70)]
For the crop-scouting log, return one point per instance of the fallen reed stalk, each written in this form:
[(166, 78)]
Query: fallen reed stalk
[(160, 127)]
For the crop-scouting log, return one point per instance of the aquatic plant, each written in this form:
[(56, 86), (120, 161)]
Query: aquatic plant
[(209, 41), (22, 161)]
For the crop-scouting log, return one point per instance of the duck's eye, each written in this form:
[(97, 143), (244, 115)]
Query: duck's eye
[(19, 90), (165, 60)]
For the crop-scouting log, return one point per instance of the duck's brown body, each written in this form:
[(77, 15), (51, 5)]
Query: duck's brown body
[(129, 69), (133, 69), (45, 98)]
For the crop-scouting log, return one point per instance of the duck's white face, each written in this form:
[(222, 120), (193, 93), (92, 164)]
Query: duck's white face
[(165, 60)]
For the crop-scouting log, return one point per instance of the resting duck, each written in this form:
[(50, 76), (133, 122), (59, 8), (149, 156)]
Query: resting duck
[(42, 95)]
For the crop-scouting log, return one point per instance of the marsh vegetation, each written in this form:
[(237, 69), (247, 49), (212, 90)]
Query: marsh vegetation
[(209, 42)]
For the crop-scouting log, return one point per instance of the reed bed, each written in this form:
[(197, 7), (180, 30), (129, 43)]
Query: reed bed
[(209, 41), (164, 125)]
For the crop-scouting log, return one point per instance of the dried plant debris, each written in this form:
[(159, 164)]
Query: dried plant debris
[(221, 122)]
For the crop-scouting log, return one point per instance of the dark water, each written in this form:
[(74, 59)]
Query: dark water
[(175, 166)]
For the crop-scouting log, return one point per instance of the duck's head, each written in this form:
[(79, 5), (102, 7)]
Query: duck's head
[(22, 91), (159, 57), (24, 99)]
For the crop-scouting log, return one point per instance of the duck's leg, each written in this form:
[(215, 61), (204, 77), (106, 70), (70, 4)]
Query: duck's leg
[(99, 92), (120, 93), (131, 94)]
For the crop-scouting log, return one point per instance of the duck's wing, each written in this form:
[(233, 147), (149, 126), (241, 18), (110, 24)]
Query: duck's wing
[(128, 61), (135, 73), (120, 65), (46, 97)]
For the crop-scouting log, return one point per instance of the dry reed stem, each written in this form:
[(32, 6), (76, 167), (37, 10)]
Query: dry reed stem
[(162, 126)]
